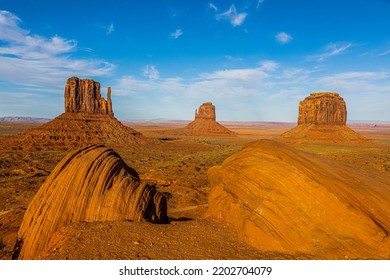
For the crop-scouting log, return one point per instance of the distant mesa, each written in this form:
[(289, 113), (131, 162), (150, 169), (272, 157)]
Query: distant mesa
[(88, 119), (322, 118), (205, 123), (89, 184), (284, 200)]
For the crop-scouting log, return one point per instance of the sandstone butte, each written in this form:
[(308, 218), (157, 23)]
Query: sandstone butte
[(205, 123), (88, 119), (89, 184), (322, 118), (285, 200)]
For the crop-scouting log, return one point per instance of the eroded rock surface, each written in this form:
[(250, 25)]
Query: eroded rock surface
[(83, 95), (89, 184), (206, 111), (285, 200), (322, 118), (323, 108), (88, 119)]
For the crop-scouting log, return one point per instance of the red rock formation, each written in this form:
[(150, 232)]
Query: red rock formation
[(89, 184), (83, 95), (323, 108), (206, 112), (79, 129), (322, 118), (284, 200), (205, 124), (88, 119)]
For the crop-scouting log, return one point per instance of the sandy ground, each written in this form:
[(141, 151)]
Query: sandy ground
[(179, 169)]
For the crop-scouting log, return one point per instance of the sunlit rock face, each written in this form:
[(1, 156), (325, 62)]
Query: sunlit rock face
[(89, 184), (281, 199), (323, 108)]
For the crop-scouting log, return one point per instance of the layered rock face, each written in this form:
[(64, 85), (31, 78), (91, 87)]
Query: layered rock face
[(89, 184), (206, 111), (205, 123), (79, 129), (88, 119), (322, 118), (83, 95), (284, 200), (323, 108)]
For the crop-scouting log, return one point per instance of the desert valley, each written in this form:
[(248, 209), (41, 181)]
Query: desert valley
[(87, 186)]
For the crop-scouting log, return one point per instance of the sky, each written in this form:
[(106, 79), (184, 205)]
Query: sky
[(254, 59)]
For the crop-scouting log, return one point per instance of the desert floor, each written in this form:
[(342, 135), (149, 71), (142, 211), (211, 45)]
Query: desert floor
[(179, 169)]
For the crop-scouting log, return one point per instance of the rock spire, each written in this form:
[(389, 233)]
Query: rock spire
[(83, 96)]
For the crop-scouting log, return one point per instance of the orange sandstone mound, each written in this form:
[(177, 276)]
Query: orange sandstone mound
[(89, 184), (285, 200), (88, 119), (322, 118), (205, 123)]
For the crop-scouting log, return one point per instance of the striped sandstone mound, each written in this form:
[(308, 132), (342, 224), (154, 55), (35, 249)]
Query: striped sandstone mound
[(89, 184), (289, 201), (322, 118)]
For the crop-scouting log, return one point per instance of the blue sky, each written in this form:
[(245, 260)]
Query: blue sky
[(254, 59)]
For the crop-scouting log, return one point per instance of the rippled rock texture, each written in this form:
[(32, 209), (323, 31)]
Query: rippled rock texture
[(285, 200), (89, 184)]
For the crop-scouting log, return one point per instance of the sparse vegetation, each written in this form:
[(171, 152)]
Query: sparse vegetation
[(178, 168)]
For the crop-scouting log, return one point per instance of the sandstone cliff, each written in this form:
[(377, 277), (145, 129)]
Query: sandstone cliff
[(205, 123), (206, 111), (285, 200), (322, 118), (323, 108), (83, 95), (89, 184)]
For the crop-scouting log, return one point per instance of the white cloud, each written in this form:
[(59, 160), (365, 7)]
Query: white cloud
[(177, 33), (213, 7), (269, 92), (269, 65), (331, 49), (34, 60), (110, 29), (232, 58), (259, 2), (385, 53), (283, 38), (236, 19), (254, 75), (151, 72)]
